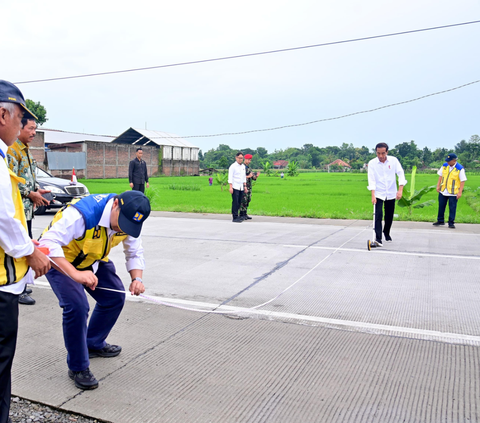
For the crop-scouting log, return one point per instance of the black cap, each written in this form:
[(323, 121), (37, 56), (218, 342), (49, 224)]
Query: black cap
[(450, 157), (9, 93), (134, 210)]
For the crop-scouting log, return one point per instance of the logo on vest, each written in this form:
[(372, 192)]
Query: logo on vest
[(138, 216)]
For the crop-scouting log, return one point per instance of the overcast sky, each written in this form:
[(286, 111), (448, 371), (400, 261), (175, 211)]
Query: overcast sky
[(59, 38)]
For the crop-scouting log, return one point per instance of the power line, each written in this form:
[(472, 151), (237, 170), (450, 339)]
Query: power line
[(322, 120), (247, 55)]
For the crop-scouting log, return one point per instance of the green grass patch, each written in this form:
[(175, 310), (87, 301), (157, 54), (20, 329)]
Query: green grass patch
[(184, 187), (316, 195)]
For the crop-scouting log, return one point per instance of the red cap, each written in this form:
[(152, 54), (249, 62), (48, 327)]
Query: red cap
[(248, 156)]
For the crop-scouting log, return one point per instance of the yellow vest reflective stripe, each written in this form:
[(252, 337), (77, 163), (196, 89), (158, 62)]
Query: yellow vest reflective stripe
[(11, 269), (450, 180), (93, 246)]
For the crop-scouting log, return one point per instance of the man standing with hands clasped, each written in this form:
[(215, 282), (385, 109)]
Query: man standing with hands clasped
[(238, 185), (17, 251), (382, 173), (138, 173), (450, 188)]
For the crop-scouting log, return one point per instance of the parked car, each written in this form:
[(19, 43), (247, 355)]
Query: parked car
[(62, 191)]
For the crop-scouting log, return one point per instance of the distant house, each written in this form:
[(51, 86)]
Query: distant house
[(280, 164), (339, 162), (100, 156)]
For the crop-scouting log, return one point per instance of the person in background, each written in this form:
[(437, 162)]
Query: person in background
[(247, 197), (17, 251), (450, 188), (382, 182), (238, 184), (210, 181), (20, 162), (137, 172)]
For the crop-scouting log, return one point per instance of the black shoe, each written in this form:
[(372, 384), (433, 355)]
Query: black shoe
[(451, 226), (248, 217), (107, 351), (237, 220), (83, 379), (379, 242), (243, 217), (27, 291), (439, 224), (388, 238), (26, 299)]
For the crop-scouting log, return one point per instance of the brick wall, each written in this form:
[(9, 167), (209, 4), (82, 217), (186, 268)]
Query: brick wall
[(180, 167), (105, 160), (37, 148), (108, 160)]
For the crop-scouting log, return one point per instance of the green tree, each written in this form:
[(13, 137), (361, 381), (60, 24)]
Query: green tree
[(267, 167), (412, 199), (292, 168), (38, 110), (221, 179), (223, 163), (262, 152)]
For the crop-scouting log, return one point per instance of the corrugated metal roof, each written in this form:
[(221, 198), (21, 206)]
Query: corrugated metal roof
[(54, 136), (144, 136)]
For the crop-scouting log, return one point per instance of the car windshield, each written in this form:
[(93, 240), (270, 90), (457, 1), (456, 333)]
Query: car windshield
[(42, 174)]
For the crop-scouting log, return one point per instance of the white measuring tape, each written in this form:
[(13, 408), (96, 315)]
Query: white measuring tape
[(215, 311)]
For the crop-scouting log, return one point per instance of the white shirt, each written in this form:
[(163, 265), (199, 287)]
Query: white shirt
[(72, 226), (237, 176), (14, 238), (462, 177), (382, 177)]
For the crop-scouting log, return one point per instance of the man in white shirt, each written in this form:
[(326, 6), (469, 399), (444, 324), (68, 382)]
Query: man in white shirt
[(237, 179), (382, 173), (450, 188), (17, 252), (79, 239)]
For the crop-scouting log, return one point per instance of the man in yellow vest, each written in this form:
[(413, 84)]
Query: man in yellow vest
[(17, 252), (79, 239), (450, 188)]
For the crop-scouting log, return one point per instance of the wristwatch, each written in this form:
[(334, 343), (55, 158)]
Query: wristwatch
[(137, 279)]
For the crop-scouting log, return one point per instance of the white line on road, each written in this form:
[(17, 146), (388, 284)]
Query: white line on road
[(380, 251), (361, 326)]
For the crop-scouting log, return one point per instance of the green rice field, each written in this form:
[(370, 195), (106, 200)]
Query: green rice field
[(316, 195)]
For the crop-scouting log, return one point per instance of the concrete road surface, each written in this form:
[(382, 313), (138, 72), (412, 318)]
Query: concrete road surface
[(277, 320)]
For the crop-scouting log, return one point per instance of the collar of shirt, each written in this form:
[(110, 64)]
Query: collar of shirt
[(385, 162), (22, 145), (105, 219)]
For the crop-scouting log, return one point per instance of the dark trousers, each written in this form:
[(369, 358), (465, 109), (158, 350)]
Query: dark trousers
[(29, 226), (139, 187), (236, 202), (78, 336), (389, 211), (8, 343), (442, 205)]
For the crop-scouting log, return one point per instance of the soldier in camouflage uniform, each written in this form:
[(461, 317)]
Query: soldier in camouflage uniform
[(21, 163), (251, 176)]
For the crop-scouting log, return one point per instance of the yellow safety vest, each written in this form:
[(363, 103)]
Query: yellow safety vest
[(451, 179), (93, 246), (11, 269)]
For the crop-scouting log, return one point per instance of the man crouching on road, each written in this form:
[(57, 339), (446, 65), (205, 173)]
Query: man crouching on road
[(80, 238)]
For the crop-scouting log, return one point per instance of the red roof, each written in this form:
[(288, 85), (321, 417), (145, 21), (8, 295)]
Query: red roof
[(339, 162), (283, 163)]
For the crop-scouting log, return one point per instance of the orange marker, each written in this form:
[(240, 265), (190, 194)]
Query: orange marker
[(44, 250)]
